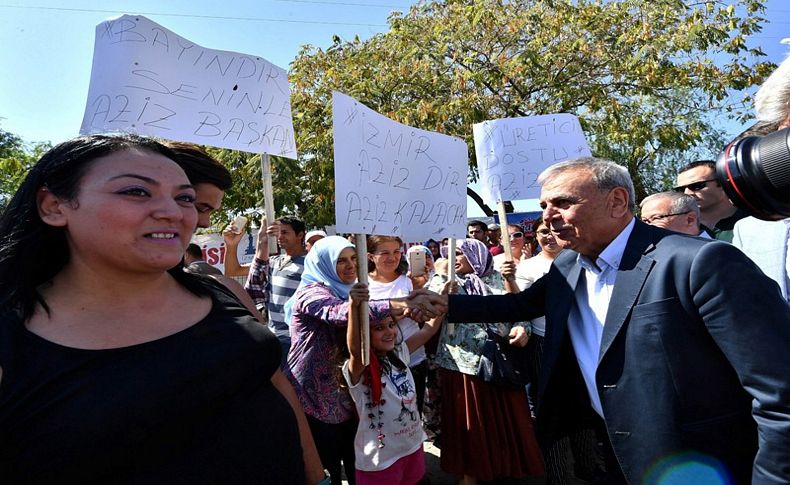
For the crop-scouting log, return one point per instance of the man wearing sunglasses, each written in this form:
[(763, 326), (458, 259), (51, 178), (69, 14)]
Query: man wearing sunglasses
[(717, 214)]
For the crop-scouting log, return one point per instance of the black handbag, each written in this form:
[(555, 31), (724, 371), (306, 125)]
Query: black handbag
[(503, 364)]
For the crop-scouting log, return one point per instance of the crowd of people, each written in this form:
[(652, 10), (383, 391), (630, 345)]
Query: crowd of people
[(655, 347)]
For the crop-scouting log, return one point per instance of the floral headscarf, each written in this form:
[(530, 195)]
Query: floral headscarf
[(480, 260)]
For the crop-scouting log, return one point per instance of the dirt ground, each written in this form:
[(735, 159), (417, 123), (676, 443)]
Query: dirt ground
[(436, 476)]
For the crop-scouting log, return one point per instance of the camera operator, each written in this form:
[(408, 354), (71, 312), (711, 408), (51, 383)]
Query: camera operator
[(766, 242)]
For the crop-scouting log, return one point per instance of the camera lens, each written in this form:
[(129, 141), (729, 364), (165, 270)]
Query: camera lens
[(755, 174)]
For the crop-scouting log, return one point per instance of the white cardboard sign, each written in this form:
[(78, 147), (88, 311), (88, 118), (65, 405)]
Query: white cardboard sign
[(214, 249), (392, 179), (148, 80), (512, 152)]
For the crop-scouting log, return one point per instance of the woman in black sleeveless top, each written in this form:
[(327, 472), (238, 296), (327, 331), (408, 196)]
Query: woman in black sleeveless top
[(115, 365)]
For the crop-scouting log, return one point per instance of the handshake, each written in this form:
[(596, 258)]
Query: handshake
[(421, 305)]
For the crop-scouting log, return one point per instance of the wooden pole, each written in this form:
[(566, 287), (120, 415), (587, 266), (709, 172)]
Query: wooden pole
[(503, 230), (268, 197), (364, 316), (451, 274)]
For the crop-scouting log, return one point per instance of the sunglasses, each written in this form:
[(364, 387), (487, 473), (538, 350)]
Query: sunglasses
[(516, 235), (695, 187)]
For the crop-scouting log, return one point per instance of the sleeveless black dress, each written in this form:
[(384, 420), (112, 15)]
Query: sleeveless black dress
[(194, 407)]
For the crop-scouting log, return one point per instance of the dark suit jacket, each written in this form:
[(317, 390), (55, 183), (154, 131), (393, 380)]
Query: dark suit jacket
[(694, 363)]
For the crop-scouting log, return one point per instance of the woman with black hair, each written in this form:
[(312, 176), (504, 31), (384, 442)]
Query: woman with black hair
[(117, 366)]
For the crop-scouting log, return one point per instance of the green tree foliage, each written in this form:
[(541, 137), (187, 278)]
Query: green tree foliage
[(645, 77), (289, 184), (16, 158)]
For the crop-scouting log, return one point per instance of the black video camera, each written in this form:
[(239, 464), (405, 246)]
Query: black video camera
[(755, 173)]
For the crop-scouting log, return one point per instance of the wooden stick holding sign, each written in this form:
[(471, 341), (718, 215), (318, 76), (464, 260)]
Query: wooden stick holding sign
[(451, 274), (268, 197), (364, 315), (505, 238)]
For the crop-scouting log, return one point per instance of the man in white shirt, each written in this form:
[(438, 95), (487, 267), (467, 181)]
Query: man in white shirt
[(676, 345)]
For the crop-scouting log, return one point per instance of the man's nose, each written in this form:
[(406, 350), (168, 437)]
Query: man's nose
[(549, 213)]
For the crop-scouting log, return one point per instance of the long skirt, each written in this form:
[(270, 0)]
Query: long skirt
[(487, 431)]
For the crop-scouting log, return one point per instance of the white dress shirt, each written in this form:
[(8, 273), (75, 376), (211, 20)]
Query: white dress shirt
[(587, 317)]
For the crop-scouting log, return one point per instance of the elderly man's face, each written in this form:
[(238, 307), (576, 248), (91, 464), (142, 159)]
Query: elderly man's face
[(578, 214), (658, 212)]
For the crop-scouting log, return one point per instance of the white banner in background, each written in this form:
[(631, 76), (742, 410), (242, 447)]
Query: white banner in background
[(512, 152), (392, 179), (214, 249), (148, 80)]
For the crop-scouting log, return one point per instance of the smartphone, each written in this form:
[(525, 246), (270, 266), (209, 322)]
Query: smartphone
[(240, 222), (417, 263)]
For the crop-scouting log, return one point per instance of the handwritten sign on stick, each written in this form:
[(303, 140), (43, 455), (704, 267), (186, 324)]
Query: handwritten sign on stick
[(149, 80), (512, 152), (392, 179)]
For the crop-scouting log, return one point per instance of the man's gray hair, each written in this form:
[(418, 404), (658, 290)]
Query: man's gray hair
[(607, 175), (772, 100), (681, 203)]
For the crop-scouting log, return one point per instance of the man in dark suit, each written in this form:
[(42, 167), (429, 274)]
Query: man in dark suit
[(678, 346)]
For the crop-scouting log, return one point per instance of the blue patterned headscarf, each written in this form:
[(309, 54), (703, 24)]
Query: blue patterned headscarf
[(320, 266)]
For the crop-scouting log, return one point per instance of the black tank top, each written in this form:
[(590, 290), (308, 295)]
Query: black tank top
[(194, 407)]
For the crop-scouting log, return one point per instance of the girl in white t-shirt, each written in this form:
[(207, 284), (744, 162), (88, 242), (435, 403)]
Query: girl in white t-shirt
[(388, 443), (387, 278)]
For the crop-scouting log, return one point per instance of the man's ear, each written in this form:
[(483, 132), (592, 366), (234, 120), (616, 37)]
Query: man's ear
[(692, 220), (618, 202), (51, 208)]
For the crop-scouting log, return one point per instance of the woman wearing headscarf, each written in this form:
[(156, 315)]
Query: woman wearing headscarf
[(487, 431), (318, 316), (434, 248)]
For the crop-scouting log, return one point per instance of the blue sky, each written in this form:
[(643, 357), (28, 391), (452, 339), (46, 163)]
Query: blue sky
[(47, 45)]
